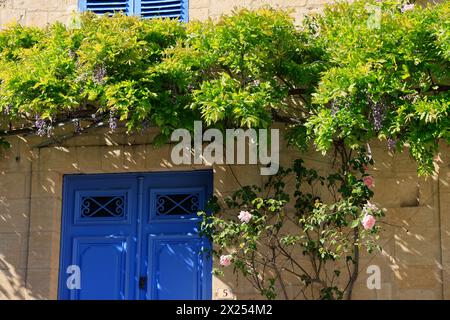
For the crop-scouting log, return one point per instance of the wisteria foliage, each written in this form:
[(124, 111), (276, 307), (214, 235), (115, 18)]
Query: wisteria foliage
[(358, 71)]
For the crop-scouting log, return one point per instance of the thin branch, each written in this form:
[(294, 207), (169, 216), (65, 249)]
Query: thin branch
[(61, 139)]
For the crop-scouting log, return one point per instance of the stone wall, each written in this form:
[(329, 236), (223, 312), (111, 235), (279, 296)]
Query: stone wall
[(36, 12), (203, 9), (415, 261), (41, 12)]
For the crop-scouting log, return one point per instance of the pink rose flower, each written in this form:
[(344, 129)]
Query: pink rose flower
[(244, 216), (368, 222), (368, 181), (407, 7), (225, 260)]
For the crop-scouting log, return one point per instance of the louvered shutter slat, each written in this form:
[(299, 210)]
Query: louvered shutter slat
[(164, 9), (105, 6)]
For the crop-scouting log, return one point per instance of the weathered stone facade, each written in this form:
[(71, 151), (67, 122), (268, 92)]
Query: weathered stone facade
[(415, 261), (41, 12)]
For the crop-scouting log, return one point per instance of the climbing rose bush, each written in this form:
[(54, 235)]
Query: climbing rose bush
[(297, 231)]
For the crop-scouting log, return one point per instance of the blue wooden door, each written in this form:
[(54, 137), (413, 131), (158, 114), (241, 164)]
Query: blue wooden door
[(135, 236)]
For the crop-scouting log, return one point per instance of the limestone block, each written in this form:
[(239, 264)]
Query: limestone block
[(112, 158), (405, 165), (13, 215), (113, 138), (134, 158), (444, 180), (415, 219), (385, 292), (12, 282), (17, 158), (229, 178), (13, 185), (294, 3), (428, 190), (198, 4), (89, 159), (44, 249), (43, 283), (223, 183), (318, 2), (362, 293), (45, 5), (8, 16), (46, 214), (383, 162), (158, 158), (198, 14), (84, 140), (145, 136), (46, 184), (402, 191), (445, 227), (415, 248), (59, 16), (446, 281), (57, 158), (418, 294), (35, 5), (425, 277), (12, 249), (36, 18)]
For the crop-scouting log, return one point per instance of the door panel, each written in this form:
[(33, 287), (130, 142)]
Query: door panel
[(176, 265), (175, 219), (121, 229), (105, 267)]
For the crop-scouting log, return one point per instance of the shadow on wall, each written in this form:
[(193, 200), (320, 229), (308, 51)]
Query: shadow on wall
[(11, 284)]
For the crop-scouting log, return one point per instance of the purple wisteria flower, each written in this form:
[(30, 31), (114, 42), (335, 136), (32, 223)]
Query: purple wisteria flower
[(77, 125), (41, 126), (49, 130), (391, 144), (334, 108), (7, 110), (377, 112), (112, 121), (407, 7), (99, 74)]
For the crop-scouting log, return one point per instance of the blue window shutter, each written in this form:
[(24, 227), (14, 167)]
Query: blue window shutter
[(107, 6), (176, 9)]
